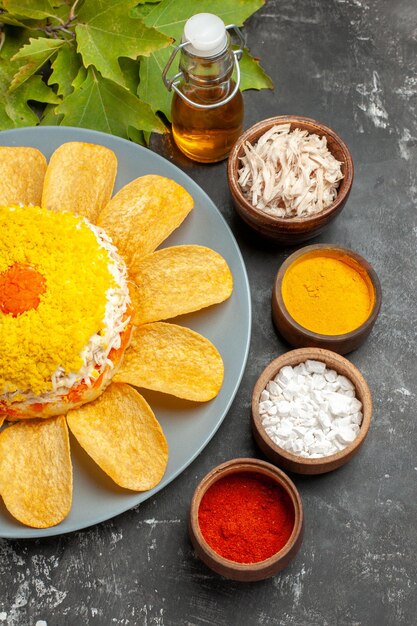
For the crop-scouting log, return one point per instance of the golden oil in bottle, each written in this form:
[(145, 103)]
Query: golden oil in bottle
[(207, 135), (207, 107)]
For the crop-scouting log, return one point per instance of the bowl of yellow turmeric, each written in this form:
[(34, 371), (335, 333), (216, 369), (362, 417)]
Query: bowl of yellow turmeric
[(326, 296)]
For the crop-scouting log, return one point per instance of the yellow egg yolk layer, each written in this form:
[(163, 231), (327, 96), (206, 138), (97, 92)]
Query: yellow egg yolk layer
[(63, 250)]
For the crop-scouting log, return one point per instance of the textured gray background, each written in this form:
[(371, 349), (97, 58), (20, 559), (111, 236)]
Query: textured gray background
[(352, 65)]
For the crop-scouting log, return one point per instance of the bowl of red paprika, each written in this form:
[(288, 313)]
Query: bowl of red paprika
[(246, 520)]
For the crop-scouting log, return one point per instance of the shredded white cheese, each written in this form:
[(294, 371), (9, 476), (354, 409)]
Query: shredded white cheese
[(289, 173)]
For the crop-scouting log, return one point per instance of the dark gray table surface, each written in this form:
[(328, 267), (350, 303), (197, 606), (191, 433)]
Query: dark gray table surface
[(352, 65)]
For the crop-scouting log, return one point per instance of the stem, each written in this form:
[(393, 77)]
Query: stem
[(52, 31), (71, 15)]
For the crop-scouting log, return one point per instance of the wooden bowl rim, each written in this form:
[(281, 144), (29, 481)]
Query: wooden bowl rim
[(319, 337), (293, 357), (252, 134), (255, 466)]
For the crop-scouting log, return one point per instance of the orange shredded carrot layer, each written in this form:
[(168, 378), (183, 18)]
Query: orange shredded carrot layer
[(20, 289)]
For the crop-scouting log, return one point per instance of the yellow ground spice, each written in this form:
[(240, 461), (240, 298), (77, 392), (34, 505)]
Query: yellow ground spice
[(327, 293)]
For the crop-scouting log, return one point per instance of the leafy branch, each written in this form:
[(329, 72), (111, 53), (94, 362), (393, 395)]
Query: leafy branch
[(98, 63)]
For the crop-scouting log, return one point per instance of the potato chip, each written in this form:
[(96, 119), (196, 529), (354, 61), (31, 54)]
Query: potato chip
[(174, 360), (36, 471), (80, 178), (121, 434), (22, 171), (144, 213), (135, 297), (178, 280)]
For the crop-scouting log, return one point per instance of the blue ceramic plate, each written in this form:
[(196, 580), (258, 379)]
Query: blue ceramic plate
[(187, 426)]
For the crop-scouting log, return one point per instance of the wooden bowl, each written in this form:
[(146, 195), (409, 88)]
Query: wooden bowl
[(293, 462), (246, 572), (297, 335), (295, 229)]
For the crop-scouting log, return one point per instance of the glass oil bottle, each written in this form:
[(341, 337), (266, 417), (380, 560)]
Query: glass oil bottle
[(207, 106)]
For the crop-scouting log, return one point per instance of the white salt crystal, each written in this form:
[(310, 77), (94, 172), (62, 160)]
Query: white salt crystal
[(283, 407), (273, 388), (332, 387), (285, 374), (293, 386), (356, 405), (339, 404), (284, 430), (300, 369), (309, 438), (315, 367), (264, 406), (317, 449), (302, 414), (324, 419), (357, 418), (330, 376), (300, 430), (288, 395), (269, 421), (346, 434), (345, 383), (318, 381), (297, 446)]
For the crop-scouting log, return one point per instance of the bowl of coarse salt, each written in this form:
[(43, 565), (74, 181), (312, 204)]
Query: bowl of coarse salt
[(289, 177), (311, 411)]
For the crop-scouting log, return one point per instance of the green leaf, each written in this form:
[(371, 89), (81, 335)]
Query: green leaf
[(5, 121), (50, 117), (65, 69), (101, 104), (17, 107), (36, 53), (35, 89), (169, 16), (151, 87), (136, 135), (252, 76), (80, 78), (106, 31), (14, 108), (38, 10), (130, 71), (38, 48), (14, 39), (6, 18)]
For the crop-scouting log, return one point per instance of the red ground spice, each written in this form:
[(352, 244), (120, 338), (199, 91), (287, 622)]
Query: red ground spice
[(246, 517)]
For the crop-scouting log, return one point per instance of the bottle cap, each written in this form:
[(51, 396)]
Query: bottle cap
[(206, 34)]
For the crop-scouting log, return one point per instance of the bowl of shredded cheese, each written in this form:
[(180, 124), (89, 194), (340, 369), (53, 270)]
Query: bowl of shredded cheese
[(289, 177)]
